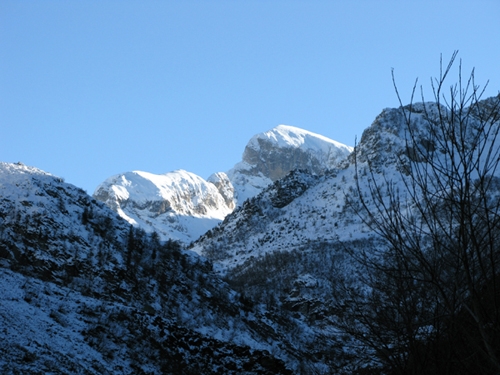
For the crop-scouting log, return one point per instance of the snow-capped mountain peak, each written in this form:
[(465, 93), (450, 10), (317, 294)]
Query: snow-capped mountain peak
[(290, 136), (12, 172), (271, 155), (167, 203), (182, 206), (144, 187), (83, 292)]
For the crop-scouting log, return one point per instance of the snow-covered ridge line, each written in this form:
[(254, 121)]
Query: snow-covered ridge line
[(7, 168), (182, 206), (144, 187), (290, 136)]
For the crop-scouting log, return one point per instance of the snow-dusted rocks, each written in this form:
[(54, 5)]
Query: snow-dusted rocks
[(225, 187), (303, 207), (83, 292), (271, 155), (182, 206), (178, 205)]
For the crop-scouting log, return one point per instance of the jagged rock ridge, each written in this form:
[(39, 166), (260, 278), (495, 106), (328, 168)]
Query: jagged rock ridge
[(178, 205), (182, 206)]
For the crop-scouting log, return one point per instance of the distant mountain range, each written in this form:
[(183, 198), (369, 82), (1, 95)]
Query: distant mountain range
[(182, 206)]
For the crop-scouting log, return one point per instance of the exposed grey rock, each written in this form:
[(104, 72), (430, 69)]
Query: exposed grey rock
[(224, 186), (271, 155)]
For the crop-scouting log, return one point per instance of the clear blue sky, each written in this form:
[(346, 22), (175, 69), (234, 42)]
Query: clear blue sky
[(89, 89)]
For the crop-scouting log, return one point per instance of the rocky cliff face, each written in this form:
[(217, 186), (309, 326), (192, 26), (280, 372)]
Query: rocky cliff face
[(225, 188), (182, 206), (178, 205), (285, 148), (271, 155)]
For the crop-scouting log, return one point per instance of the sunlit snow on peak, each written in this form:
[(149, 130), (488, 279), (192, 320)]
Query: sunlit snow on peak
[(291, 136)]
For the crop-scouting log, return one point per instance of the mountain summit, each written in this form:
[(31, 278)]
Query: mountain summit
[(271, 155), (169, 203), (182, 206)]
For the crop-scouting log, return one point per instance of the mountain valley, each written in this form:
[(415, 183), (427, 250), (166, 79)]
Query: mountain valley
[(308, 257)]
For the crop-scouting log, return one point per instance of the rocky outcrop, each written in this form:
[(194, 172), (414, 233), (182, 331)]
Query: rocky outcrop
[(224, 186), (271, 155), (274, 162), (268, 157), (178, 205)]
